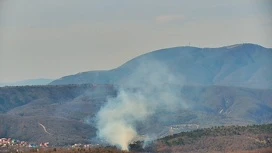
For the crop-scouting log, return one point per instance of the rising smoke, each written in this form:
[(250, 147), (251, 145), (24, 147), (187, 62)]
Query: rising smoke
[(150, 88)]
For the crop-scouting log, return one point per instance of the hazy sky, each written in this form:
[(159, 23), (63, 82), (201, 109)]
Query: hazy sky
[(53, 38)]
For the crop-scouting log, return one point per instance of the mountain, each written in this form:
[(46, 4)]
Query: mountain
[(27, 82), (241, 65), (69, 111)]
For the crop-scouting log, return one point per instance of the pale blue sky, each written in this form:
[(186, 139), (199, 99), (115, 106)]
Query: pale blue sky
[(53, 38)]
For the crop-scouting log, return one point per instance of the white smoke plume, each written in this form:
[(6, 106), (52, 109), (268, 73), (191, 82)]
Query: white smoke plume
[(150, 88)]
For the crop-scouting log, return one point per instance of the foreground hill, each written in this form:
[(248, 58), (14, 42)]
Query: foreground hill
[(229, 139), (256, 138), (242, 65), (68, 111)]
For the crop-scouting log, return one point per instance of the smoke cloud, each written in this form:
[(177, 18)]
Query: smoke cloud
[(149, 89)]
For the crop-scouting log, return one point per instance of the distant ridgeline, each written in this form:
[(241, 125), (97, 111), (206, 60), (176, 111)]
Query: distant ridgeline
[(241, 65), (27, 82)]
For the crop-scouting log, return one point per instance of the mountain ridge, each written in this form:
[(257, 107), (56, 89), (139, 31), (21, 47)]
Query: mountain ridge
[(241, 65)]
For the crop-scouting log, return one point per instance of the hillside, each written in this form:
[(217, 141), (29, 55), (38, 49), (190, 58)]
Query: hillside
[(69, 111), (59, 131), (242, 65), (220, 139), (14, 97), (228, 139), (60, 109)]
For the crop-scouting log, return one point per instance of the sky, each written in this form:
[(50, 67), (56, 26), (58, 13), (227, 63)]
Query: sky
[(55, 38)]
